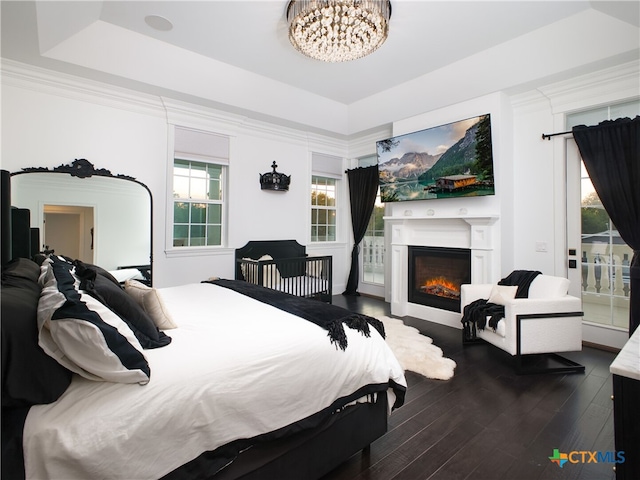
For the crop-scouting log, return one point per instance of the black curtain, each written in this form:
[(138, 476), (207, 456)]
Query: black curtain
[(363, 188), (611, 155)]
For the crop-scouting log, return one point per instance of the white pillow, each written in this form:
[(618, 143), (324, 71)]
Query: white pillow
[(244, 267), (151, 301), (157, 310), (501, 294), (270, 273), (136, 290), (125, 274)]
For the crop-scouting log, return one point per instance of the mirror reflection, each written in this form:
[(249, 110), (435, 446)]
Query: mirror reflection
[(101, 220)]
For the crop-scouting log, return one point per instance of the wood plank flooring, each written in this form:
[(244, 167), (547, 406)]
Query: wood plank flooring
[(487, 422)]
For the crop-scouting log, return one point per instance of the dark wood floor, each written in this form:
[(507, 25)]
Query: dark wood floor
[(487, 422)]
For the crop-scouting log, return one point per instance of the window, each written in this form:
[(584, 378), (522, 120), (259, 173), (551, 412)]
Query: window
[(327, 170), (197, 205), (199, 171), (323, 209)]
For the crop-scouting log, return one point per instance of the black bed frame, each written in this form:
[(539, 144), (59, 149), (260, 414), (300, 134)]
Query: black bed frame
[(308, 454)]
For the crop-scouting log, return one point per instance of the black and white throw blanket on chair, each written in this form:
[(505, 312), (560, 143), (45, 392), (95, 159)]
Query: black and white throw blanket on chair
[(474, 316)]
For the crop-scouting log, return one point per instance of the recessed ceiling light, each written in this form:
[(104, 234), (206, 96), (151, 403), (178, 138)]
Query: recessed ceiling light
[(158, 22)]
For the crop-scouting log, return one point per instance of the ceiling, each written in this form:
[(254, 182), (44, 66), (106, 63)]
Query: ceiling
[(235, 55)]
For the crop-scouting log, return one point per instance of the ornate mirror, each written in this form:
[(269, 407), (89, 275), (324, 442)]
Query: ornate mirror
[(89, 214)]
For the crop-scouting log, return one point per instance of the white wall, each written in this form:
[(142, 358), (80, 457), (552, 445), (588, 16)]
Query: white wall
[(48, 120), (51, 120), (540, 166)]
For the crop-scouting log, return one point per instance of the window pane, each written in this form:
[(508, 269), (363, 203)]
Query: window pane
[(181, 167), (180, 235), (214, 190), (214, 235), (198, 169), (197, 235), (180, 187), (331, 198), (215, 177), (198, 189), (331, 234), (198, 211), (180, 212), (214, 214), (332, 217), (373, 246)]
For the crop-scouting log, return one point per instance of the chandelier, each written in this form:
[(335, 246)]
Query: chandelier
[(338, 30)]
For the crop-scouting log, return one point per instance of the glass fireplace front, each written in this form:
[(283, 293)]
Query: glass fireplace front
[(436, 274)]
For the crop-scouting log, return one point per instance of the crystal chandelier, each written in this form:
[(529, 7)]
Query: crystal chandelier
[(338, 30)]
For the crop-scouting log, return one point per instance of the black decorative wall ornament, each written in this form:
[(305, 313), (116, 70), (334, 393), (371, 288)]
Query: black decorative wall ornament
[(275, 180)]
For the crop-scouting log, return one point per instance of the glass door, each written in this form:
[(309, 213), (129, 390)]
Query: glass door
[(604, 261), (598, 257), (372, 248)]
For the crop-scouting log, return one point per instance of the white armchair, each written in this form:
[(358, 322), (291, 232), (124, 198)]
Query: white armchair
[(549, 321)]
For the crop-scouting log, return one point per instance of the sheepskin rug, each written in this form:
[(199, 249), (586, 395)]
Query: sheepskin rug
[(416, 352)]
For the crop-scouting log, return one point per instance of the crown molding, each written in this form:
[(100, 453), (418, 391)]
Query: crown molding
[(203, 118), (41, 80), (606, 86), (175, 112), (364, 145), (531, 101)]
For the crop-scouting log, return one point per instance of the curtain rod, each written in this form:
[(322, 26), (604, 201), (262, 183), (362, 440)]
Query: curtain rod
[(547, 136)]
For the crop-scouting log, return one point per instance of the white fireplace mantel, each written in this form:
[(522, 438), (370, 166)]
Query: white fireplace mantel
[(475, 232)]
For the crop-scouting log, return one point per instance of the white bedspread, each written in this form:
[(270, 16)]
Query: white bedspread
[(236, 368)]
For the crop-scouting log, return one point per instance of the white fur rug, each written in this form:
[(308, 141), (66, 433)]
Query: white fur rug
[(416, 352)]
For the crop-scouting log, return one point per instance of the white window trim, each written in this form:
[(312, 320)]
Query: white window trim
[(194, 251), (336, 208)]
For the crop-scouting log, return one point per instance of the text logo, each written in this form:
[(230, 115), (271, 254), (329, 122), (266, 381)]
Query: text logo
[(584, 456)]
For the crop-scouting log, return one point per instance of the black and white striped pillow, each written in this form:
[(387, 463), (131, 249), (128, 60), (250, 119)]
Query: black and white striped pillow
[(84, 335)]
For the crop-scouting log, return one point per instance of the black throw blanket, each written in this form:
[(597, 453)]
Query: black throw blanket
[(474, 315), (330, 317)]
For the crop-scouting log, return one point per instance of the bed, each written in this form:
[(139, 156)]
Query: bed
[(234, 385), (283, 265)]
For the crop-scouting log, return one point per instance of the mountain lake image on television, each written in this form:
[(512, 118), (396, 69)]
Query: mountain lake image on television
[(453, 160)]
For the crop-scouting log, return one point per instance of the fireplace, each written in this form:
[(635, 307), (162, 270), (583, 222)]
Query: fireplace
[(436, 274)]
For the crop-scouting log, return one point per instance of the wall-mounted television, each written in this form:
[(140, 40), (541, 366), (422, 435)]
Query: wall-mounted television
[(452, 160)]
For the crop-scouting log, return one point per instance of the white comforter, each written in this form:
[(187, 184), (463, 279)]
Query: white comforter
[(236, 368)]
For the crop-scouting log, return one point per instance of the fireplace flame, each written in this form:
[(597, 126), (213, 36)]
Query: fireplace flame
[(441, 287)]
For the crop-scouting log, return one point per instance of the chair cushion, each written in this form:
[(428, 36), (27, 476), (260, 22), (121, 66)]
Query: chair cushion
[(549, 286)]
